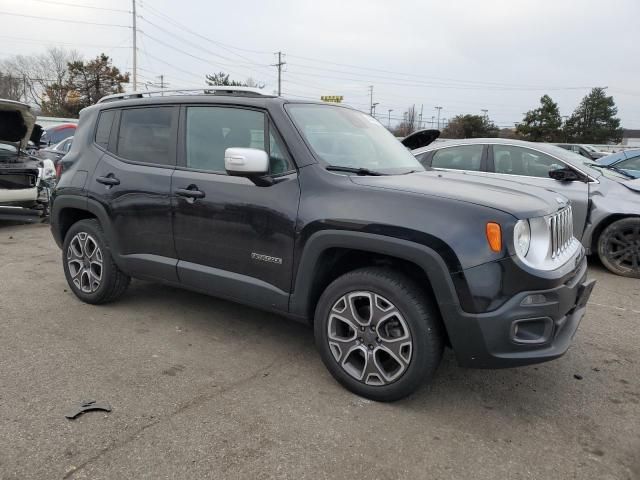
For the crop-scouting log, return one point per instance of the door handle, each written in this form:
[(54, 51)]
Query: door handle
[(190, 193), (109, 180)]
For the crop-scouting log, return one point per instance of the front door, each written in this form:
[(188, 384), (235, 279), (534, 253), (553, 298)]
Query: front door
[(234, 239), (532, 167)]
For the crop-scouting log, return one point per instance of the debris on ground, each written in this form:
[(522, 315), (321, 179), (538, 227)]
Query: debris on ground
[(86, 406)]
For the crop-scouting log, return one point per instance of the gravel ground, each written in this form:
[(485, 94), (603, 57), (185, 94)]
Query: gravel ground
[(203, 388)]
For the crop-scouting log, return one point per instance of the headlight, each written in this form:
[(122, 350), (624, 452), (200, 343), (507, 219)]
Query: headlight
[(522, 238)]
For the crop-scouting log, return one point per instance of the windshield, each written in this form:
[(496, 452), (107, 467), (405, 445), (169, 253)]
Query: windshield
[(347, 138)]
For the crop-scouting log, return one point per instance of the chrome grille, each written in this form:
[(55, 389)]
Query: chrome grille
[(561, 229)]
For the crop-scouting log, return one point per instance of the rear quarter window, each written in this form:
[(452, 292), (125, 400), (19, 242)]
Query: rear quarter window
[(103, 130)]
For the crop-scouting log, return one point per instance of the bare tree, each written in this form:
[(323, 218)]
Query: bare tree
[(10, 87), (408, 124), (38, 73)]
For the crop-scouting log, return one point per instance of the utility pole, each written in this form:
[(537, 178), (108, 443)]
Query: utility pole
[(135, 49), (24, 87), (279, 65), (389, 120), (433, 120), (373, 109), (420, 121), (438, 108), (370, 99), (485, 112)]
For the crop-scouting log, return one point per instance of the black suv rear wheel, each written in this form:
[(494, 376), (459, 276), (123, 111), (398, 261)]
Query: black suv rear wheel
[(378, 333), (90, 271), (619, 247)]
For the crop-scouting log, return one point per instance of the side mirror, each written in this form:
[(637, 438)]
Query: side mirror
[(564, 175), (247, 162)]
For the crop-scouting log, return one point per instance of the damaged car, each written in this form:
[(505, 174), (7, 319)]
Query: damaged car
[(605, 199), (25, 181)]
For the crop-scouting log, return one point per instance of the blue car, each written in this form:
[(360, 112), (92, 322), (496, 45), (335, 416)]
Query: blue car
[(627, 160)]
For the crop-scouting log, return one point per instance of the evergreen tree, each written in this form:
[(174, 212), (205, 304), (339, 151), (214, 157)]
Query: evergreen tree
[(542, 124), (594, 121)]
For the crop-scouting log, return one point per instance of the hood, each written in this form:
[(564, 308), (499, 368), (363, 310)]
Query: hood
[(16, 123), (517, 199), (633, 184), (421, 138)]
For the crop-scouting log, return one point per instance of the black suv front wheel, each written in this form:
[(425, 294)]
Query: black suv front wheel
[(378, 333), (90, 271)]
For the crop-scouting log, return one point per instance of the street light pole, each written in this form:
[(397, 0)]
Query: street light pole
[(389, 120), (438, 109)]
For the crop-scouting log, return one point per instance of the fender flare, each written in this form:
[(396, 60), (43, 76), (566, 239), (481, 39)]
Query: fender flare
[(424, 257), (81, 203)]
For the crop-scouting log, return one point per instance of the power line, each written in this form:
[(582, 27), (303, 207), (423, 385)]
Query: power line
[(187, 29), (54, 42), (51, 2), (65, 20)]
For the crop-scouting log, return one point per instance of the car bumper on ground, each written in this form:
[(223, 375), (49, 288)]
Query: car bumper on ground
[(20, 214), (532, 327)]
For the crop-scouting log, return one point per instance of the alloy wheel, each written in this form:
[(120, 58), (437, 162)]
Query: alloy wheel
[(369, 338), (623, 248), (84, 260)]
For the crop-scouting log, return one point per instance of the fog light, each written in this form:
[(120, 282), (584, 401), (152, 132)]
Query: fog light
[(534, 299), (532, 330)]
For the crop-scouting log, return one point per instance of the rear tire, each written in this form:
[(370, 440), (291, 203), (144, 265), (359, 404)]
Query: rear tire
[(88, 266), (619, 247), (378, 333)]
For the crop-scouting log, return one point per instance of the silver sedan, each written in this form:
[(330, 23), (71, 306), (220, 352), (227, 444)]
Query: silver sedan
[(605, 200)]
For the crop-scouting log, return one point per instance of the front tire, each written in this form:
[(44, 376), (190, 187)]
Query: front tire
[(619, 247), (88, 266), (378, 333)]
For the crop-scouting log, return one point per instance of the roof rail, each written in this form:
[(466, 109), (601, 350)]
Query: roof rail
[(238, 91)]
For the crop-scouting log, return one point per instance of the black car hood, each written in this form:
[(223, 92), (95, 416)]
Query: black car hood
[(419, 139), (518, 199)]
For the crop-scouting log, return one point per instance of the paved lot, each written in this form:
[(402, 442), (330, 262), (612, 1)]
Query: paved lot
[(203, 388)]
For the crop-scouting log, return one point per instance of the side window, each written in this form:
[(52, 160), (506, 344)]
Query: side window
[(278, 158), (147, 135), (630, 164), (464, 157), (514, 160), (211, 130), (103, 130)]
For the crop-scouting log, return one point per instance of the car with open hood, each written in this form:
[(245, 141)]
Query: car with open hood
[(604, 198), (25, 181)]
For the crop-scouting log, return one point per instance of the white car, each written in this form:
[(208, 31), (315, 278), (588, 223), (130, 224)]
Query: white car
[(25, 181)]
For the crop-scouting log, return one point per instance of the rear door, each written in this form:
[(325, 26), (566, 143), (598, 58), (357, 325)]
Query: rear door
[(532, 167), (133, 183)]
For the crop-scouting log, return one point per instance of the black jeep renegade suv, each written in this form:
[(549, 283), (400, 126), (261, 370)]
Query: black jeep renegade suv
[(317, 212)]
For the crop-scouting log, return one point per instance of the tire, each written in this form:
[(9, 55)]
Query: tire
[(402, 340), (619, 247), (88, 266)]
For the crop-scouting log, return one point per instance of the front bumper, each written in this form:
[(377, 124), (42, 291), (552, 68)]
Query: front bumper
[(531, 327)]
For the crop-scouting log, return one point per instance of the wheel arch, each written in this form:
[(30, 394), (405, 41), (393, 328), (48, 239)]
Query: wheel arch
[(329, 254), (604, 223), (68, 210)]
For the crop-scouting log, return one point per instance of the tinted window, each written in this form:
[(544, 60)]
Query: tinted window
[(630, 164), (465, 157), (522, 161), (211, 130), (146, 135), (103, 130), (278, 158)]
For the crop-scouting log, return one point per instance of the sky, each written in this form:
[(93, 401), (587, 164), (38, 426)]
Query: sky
[(465, 56)]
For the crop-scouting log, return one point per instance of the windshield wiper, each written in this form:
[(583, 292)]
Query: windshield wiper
[(357, 171), (614, 168)]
